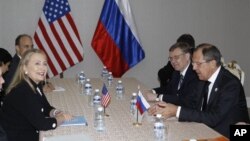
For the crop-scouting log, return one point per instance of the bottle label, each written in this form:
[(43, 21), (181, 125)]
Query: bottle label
[(159, 130), (96, 99)]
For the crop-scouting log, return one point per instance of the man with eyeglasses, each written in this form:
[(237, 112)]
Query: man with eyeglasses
[(225, 102), (165, 73), (183, 79), (23, 43)]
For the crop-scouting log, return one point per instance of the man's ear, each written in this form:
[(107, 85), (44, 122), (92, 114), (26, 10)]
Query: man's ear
[(214, 64), (17, 50)]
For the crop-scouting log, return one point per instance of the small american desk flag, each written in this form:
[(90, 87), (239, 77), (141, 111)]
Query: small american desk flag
[(105, 96), (58, 37)]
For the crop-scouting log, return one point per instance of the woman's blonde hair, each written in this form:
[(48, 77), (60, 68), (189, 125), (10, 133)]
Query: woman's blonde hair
[(20, 73)]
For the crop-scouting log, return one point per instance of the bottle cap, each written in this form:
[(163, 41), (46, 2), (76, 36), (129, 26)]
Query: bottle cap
[(158, 115), (134, 94), (97, 90), (119, 81), (87, 79), (100, 108)]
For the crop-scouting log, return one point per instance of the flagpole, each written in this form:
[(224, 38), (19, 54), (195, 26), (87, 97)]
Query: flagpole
[(107, 115), (137, 114)]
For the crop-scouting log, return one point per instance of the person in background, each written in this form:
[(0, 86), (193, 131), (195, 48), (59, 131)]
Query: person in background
[(184, 79), (1, 77), (165, 73), (23, 43), (25, 109), (221, 102), (2, 132), (5, 59)]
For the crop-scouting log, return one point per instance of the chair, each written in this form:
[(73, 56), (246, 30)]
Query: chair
[(235, 69)]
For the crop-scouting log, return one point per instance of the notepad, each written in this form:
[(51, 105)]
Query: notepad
[(77, 120), (74, 137), (58, 89)]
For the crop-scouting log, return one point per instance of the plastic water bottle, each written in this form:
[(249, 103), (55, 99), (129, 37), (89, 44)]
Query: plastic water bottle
[(159, 128), (133, 103), (81, 80), (119, 90), (88, 87), (104, 73), (110, 79), (96, 98), (99, 122), (81, 77)]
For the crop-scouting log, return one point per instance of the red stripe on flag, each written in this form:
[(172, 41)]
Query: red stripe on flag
[(69, 39), (58, 39), (106, 100), (39, 44), (108, 52), (73, 26), (139, 108), (51, 46)]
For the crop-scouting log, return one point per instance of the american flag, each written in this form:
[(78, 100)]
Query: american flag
[(57, 35), (105, 96)]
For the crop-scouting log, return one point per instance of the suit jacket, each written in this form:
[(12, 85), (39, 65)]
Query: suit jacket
[(183, 96), (164, 77), (226, 105), (3, 136), (12, 70), (25, 112)]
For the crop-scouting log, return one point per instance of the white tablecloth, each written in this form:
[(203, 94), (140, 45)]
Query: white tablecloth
[(119, 125)]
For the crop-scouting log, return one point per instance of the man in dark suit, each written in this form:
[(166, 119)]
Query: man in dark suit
[(183, 78), (221, 105), (165, 73), (23, 43)]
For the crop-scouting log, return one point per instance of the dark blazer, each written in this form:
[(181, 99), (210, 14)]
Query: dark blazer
[(183, 96), (12, 70), (226, 105), (164, 77), (25, 112), (3, 136)]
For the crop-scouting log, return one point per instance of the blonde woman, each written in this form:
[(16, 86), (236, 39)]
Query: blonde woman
[(25, 109)]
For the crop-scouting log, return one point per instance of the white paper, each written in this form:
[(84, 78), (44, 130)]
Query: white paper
[(76, 137), (58, 89)]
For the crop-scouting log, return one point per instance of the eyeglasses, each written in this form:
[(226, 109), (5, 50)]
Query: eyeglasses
[(198, 64), (176, 57)]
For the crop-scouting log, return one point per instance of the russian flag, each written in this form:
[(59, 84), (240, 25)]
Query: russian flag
[(141, 103), (115, 40)]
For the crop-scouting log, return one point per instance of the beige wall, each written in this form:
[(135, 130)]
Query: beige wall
[(224, 23)]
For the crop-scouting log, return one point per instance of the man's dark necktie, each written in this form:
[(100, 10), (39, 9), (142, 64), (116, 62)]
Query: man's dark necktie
[(180, 81), (205, 94)]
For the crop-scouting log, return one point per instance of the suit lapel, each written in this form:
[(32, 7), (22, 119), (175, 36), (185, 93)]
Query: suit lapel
[(216, 87), (188, 76)]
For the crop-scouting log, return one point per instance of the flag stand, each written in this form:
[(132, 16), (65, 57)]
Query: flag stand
[(137, 123), (107, 115)]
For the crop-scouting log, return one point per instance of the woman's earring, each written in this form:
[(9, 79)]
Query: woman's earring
[(26, 72)]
